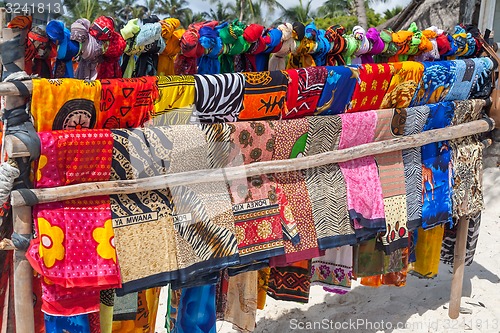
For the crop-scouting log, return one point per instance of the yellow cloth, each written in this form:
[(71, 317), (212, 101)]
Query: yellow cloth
[(172, 48), (65, 103), (106, 318), (176, 92), (428, 251), (262, 287), (403, 84), (145, 319)]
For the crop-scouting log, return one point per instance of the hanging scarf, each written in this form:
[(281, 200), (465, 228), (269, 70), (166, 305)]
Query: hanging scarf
[(351, 46), (272, 42), (338, 90), (66, 48), (363, 44), (416, 40), (59, 104), (127, 103), (253, 36), (211, 42), (229, 34), (431, 52), (90, 50), (291, 283), (377, 46), (103, 29), (374, 80), (265, 95), (436, 170), (277, 61), (326, 186), (466, 71), (39, 51), (302, 58), (196, 311), (191, 50), (219, 97), (333, 271), (129, 33), (337, 45), (151, 43), (402, 39), (404, 83), (172, 37), (241, 308), (322, 48), (304, 91)]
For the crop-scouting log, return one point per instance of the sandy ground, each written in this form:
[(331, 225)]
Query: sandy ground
[(420, 306)]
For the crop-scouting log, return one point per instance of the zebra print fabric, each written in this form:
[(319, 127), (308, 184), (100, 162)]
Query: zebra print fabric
[(416, 118), (219, 97), (326, 186), (450, 239)]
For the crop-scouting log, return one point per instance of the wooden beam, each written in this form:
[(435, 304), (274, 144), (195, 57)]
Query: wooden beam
[(240, 172), (9, 89)]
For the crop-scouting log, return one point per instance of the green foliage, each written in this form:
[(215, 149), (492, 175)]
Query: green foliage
[(349, 21), (390, 13)]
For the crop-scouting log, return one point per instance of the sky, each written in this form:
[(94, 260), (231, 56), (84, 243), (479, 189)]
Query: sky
[(379, 7)]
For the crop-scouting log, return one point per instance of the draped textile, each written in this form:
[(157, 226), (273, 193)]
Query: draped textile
[(196, 312), (374, 80), (241, 308), (174, 92), (333, 271), (436, 82), (337, 92), (403, 84), (291, 283)]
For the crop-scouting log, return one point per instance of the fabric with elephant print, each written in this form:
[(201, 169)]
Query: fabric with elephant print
[(437, 180), (59, 104)]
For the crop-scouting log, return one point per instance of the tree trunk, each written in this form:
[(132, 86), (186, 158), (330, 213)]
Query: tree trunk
[(242, 9), (361, 13)]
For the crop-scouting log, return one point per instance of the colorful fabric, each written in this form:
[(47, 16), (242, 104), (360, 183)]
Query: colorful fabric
[(390, 124), (127, 103), (404, 83), (144, 233), (175, 91), (326, 185), (333, 271), (265, 94), (450, 239), (374, 80), (482, 81), (437, 170), (106, 310), (291, 283), (395, 277), (242, 301), (364, 191), (145, 318), (73, 324), (436, 81), (416, 117), (338, 90), (255, 200), (427, 252), (263, 283), (219, 98), (467, 161), (221, 290), (196, 312), (65, 104), (466, 71), (290, 143), (304, 90)]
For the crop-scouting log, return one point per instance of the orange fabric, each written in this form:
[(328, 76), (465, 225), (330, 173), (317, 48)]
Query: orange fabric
[(147, 308), (404, 83)]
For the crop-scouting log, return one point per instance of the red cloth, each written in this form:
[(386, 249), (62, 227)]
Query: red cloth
[(374, 80)]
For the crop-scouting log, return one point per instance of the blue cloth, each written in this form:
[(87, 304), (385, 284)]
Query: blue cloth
[(67, 48), (322, 49), (465, 73), (72, 324), (196, 312), (209, 62), (436, 80), (337, 92), (262, 59), (436, 170)]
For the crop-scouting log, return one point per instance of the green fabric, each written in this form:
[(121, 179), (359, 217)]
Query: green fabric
[(299, 146)]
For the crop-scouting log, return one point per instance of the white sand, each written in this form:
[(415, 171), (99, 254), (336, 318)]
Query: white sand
[(420, 306)]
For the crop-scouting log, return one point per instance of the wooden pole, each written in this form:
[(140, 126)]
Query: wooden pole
[(22, 219), (240, 172)]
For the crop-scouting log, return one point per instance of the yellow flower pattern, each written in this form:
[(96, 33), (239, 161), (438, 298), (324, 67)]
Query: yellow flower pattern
[(42, 162), (105, 237), (51, 246)]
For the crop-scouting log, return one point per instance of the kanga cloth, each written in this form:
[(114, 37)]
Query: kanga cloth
[(364, 192), (174, 92), (482, 81), (404, 83), (467, 160), (427, 251), (436, 82), (374, 80), (291, 283), (196, 311), (333, 271), (142, 221), (265, 95), (202, 213), (437, 170), (219, 97), (466, 71), (145, 318), (290, 141), (263, 283), (450, 239), (416, 117), (256, 199), (391, 124), (85, 323), (326, 185), (304, 90), (65, 104), (127, 103), (396, 278), (241, 308), (337, 92)]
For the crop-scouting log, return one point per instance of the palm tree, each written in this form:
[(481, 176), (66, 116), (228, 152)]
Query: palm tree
[(332, 8), (361, 13), (177, 9), (222, 13), (390, 13), (89, 9), (298, 13)]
